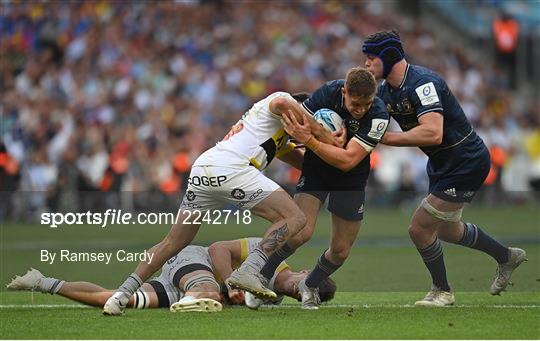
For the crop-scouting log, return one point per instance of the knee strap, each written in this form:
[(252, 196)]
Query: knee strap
[(200, 279), (446, 216), (140, 300)]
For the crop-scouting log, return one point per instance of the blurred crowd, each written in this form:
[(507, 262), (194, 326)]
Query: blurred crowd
[(111, 101)]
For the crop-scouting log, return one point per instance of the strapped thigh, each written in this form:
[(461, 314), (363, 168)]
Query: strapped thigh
[(141, 300), (445, 216), (200, 279)]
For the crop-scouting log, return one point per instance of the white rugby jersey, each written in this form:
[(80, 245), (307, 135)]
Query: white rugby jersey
[(260, 139)]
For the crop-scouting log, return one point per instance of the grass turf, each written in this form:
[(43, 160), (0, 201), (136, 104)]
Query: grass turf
[(374, 316), (382, 278)]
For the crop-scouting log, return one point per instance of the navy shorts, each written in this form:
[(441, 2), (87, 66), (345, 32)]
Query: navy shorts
[(462, 179), (345, 191)]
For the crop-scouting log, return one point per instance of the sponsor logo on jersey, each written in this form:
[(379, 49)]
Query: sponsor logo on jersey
[(212, 181), (238, 193), (427, 94), (407, 106), (450, 191), (354, 125), (190, 205), (378, 127), (252, 197), (190, 195)]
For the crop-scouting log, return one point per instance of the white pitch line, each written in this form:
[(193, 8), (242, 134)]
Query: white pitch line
[(39, 306), (364, 306), (371, 306)]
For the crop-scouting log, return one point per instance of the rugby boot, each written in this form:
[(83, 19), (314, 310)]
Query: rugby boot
[(310, 296), (28, 281), (436, 298), (191, 304), (504, 271), (116, 304), (250, 281)]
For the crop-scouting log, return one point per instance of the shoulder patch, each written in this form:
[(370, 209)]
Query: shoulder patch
[(427, 94), (378, 127)]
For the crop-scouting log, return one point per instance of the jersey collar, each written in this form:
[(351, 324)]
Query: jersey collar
[(404, 77)]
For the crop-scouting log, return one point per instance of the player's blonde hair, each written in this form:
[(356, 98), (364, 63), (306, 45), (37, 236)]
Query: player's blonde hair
[(359, 82)]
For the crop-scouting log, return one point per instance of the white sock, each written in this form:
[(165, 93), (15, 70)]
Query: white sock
[(50, 285), (256, 259), (130, 285)]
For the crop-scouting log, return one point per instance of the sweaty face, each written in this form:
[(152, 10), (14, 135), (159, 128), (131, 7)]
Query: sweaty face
[(357, 106), (374, 65)]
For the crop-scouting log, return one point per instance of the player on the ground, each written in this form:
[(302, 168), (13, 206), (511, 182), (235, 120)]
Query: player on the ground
[(230, 173), (337, 173), (432, 119), (187, 281)]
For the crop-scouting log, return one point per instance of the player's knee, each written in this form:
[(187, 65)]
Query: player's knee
[(416, 231)]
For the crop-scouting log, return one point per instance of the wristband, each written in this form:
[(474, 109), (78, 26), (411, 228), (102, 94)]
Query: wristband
[(312, 143)]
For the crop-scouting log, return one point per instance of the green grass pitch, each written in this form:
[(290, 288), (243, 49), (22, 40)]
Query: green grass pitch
[(376, 287)]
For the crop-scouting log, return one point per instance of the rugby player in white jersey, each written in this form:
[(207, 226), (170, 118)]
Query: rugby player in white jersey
[(188, 281), (230, 173)]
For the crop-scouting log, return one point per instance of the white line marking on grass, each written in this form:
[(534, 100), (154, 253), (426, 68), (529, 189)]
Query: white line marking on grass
[(371, 306), (39, 306), (292, 306)]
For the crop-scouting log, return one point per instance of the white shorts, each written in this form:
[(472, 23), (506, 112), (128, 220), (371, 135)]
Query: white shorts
[(213, 187)]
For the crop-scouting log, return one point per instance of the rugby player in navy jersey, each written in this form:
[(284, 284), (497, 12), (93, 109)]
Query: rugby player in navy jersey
[(431, 118), (337, 173)]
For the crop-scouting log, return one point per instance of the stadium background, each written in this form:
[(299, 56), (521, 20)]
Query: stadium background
[(105, 104)]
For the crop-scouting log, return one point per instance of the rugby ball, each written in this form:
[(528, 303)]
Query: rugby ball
[(329, 119)]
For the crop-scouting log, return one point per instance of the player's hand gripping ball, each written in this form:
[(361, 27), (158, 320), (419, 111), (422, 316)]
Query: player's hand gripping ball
[(329, 119)]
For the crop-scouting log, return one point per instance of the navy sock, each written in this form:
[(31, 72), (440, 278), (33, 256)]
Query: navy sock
[(322, 271), (475, 238), (434, 260), (275, 259)]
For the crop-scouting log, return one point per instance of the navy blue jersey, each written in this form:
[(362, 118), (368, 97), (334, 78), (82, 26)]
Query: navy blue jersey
[(462, 152), (423, 91), (368, 130)]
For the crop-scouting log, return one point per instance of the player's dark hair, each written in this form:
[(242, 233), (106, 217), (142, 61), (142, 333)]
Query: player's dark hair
[(327, 289), (360, 83), (387, 46), (300, 96)]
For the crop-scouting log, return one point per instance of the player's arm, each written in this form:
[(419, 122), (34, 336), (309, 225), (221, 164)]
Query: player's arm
[(343, 159), (429, 132), (281, 105), (223, 254), (426, 101)]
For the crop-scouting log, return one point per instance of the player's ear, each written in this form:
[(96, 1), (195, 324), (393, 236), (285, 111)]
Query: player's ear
[(343, 91)]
